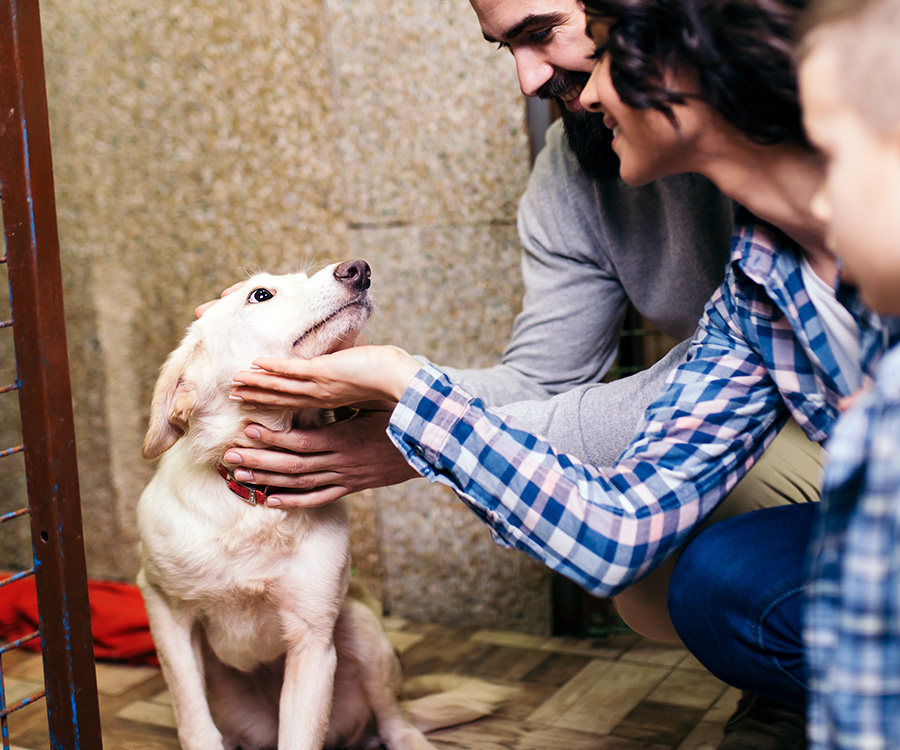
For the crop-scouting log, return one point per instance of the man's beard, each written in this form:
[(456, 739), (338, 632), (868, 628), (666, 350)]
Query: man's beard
[(589, 139), (591, 142)]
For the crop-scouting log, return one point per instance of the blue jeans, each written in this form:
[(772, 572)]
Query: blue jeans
[(736, 599)]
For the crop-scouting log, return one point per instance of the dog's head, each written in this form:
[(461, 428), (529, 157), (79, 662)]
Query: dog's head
[(293, 315)]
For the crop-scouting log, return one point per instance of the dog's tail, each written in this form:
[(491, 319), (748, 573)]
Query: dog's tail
[(438, 701)]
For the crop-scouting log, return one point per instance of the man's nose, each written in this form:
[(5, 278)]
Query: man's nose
[(533, 69)]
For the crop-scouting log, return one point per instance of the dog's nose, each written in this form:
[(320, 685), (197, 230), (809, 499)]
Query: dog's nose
[(354, 273)]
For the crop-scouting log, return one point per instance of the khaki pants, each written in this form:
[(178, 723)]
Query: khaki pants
[(790, 471)]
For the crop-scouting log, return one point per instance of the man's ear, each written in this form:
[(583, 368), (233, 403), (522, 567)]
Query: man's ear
[(175, 399)]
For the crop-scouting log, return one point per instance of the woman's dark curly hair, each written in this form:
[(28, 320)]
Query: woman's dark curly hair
[(740, 50)]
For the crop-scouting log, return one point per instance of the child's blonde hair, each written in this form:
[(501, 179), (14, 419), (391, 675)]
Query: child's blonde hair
[(864, 35)]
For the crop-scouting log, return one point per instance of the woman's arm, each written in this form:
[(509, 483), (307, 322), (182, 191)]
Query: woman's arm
[(602, 527)]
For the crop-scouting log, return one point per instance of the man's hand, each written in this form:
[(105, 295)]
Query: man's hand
[(318, 466)]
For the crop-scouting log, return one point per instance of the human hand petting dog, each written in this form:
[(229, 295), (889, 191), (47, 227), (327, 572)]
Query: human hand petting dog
[(317, 466), (343, 378), (328, 462)]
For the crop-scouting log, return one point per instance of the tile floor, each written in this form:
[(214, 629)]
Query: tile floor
[(621, 692)]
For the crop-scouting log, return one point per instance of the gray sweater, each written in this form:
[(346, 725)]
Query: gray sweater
[(589, 247)]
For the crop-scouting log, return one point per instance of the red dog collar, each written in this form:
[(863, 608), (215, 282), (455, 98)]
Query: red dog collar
[(252, 494)]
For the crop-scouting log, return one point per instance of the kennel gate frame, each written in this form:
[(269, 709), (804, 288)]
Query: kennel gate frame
[(31, 253)]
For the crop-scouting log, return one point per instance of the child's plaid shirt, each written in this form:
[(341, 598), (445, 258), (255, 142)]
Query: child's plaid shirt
[(852, 625)]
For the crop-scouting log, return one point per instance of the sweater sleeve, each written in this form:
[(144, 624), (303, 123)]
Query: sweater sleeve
[(596, 422), (568, 329)]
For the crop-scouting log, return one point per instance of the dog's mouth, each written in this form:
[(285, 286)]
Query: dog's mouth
[(361, 301)]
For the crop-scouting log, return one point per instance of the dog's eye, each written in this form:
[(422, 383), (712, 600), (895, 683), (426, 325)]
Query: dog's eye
[(259, 295)]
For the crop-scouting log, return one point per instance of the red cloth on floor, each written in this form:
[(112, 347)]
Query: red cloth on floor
[(119, 623)]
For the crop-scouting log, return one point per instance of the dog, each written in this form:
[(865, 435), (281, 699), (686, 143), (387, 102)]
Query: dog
[(257, 640)]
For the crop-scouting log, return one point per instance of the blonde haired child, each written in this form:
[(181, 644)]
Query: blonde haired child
[(850, 92)]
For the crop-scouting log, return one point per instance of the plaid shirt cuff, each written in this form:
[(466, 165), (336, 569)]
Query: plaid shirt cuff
[(424, 419)]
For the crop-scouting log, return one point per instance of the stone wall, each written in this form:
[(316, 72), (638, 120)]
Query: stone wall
[(195, 141)]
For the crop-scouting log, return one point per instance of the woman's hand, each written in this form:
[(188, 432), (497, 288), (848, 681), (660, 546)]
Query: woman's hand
[(344, 378)]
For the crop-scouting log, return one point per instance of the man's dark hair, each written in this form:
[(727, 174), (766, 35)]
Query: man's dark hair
[(740, 50)]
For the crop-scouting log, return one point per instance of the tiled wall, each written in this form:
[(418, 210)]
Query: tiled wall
[(196, 139)]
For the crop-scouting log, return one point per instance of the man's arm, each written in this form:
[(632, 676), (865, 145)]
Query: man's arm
[(566, 335), (588, 247)]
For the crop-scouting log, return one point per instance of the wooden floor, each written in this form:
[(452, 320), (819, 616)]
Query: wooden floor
[(616, 693)]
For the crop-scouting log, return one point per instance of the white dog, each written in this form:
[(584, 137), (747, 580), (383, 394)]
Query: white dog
[(247, 604)]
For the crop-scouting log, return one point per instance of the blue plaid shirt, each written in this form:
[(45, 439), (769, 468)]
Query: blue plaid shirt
[(759, 354), (852, 626)]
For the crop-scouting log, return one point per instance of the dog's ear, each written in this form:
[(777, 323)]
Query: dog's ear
[(175, 399)]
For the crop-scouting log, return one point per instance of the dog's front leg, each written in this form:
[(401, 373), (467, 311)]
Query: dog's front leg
[(182, 668), (307, 693)]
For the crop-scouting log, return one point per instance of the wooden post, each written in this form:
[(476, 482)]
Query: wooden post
[(32, 254)]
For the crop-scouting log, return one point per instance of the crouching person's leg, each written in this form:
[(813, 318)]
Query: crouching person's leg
[(736, 600)]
